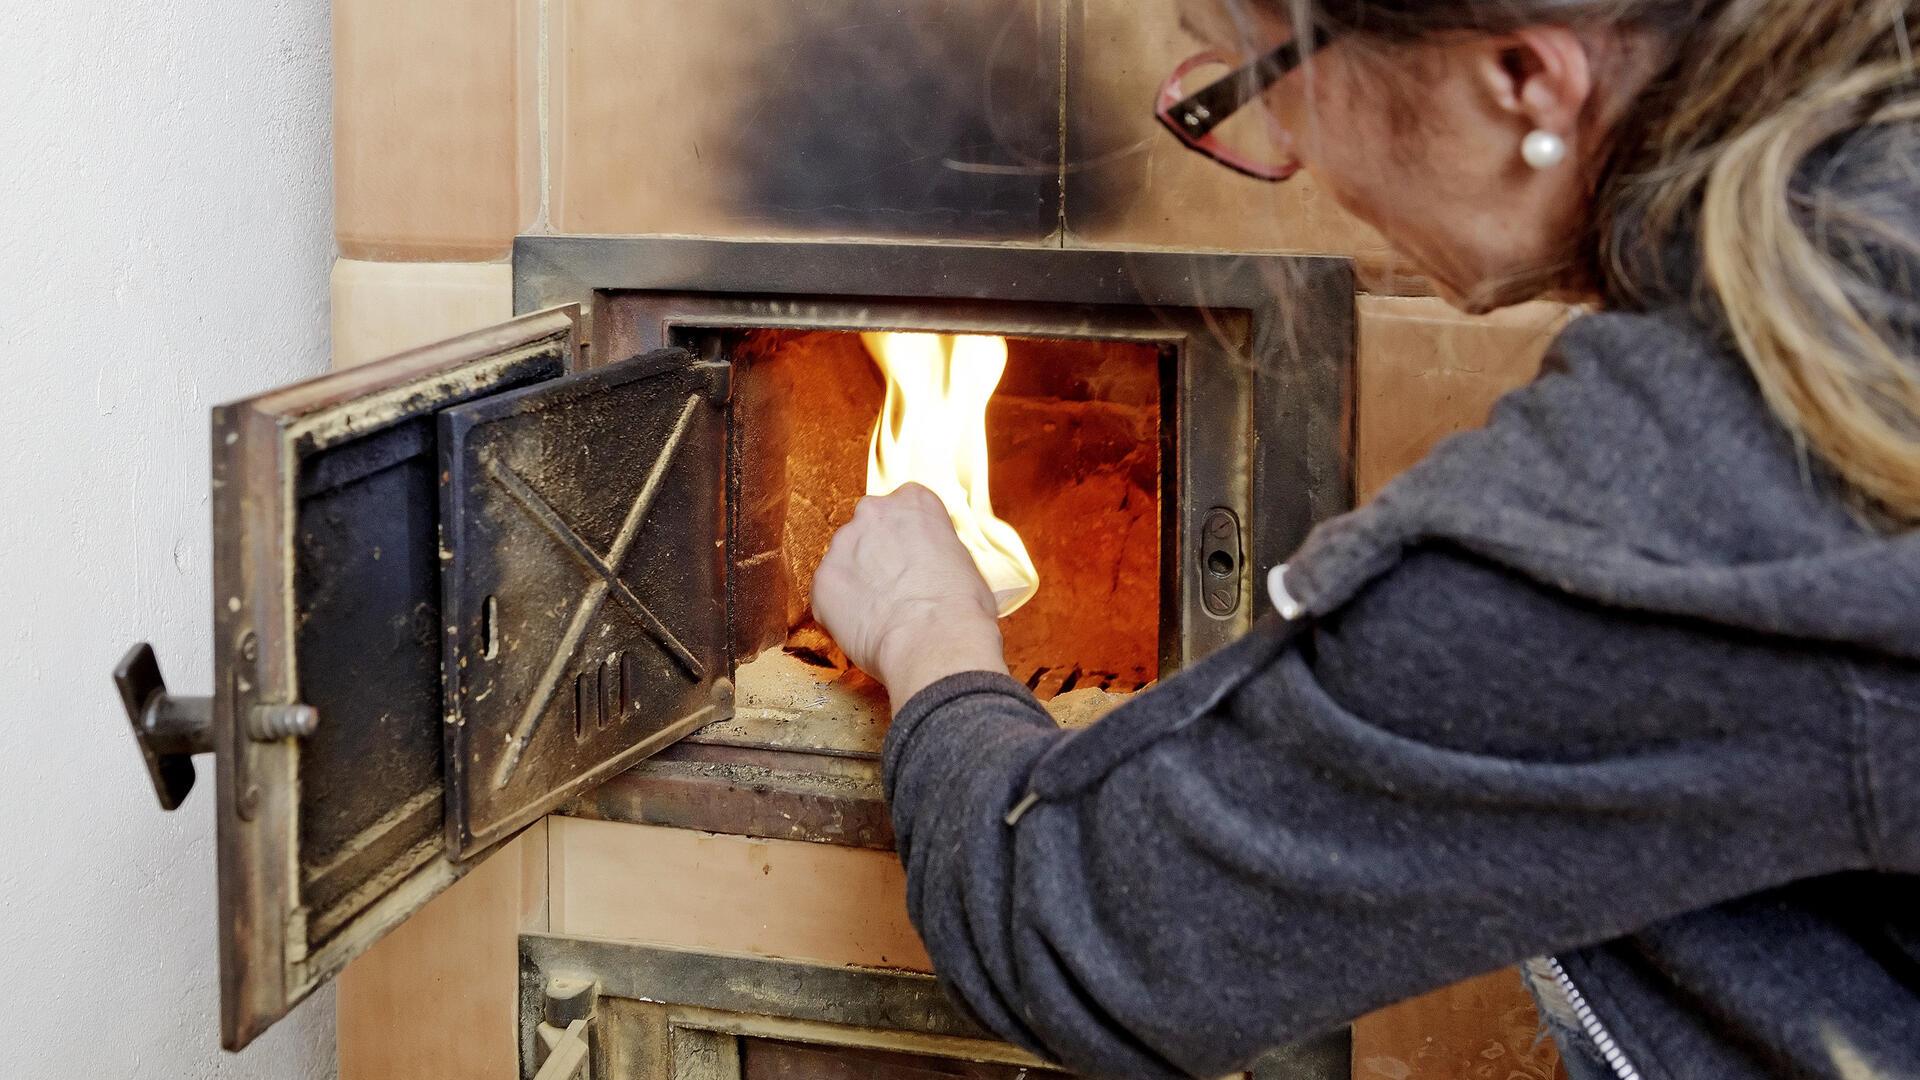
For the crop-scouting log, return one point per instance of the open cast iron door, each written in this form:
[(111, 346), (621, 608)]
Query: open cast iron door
[(584, 525), (326, 599), (407, 555)]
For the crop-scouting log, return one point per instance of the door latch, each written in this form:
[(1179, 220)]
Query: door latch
[(171, 729), (1220, 559), (563, 1039)]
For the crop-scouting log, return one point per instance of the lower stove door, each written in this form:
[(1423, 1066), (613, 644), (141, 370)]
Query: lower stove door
[(593, 1009)]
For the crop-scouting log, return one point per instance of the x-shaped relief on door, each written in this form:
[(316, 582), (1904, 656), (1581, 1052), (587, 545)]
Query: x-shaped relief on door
[(605, 580)]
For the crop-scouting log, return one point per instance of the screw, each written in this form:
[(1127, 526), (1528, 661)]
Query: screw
[(270, 723), (250, 647), (1220, 602)]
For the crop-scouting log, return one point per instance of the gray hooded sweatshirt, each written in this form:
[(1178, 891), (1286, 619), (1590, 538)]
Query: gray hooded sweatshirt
[(1618, 680)]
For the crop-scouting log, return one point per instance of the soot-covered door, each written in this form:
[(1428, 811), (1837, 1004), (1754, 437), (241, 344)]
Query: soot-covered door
[(585, 536), (377, 634), (327, 582)]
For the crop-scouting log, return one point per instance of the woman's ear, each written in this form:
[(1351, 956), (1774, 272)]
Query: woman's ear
[(1541, 75)]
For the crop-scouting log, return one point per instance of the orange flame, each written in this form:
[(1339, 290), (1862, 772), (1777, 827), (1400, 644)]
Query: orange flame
[(932, 431)]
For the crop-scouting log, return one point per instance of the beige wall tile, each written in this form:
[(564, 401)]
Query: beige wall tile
[(832, 118), (1427, 371), (435, 145), (786, 898), (383, 308), (1133, 183), (440, 996)]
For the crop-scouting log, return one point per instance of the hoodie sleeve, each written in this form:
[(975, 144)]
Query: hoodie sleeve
[(1457, 770)]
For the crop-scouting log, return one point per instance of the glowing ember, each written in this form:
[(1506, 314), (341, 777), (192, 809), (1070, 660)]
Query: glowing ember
[(933, 431)]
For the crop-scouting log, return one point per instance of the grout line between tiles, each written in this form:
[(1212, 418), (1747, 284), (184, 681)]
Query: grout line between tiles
[(545, 222), (1060, 147)]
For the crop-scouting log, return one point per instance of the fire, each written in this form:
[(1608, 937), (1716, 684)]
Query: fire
[(932, 431)]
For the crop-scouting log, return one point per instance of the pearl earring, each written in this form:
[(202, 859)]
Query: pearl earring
[(1543, 149)]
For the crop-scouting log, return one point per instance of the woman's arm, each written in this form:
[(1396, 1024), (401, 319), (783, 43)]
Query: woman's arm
[(1459, 770)]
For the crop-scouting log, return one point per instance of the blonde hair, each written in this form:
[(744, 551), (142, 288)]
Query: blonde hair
[(1813, 280)]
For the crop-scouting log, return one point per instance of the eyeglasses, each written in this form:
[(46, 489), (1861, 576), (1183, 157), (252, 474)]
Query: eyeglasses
[(1195, 117)]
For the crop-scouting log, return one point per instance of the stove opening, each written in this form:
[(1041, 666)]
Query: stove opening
[(1074, 435)]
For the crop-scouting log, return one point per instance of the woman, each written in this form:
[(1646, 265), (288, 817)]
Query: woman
[(1626, 684)]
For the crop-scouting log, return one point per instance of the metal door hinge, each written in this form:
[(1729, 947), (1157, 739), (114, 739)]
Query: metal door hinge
[(563, 1046), (719, 379)]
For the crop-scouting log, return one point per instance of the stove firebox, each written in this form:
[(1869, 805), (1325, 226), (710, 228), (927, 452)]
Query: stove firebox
[(1168, 427), (1073, 435)]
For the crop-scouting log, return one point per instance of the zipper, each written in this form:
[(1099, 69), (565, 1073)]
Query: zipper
[(1591, 1024)]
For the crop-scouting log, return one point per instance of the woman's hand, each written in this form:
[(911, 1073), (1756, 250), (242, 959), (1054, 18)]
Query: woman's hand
[(900, 594)]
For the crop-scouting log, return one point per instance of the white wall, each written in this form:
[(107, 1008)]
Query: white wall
[(165, 235)]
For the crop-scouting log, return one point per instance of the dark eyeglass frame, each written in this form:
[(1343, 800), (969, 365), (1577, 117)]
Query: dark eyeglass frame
[(1193, 118)]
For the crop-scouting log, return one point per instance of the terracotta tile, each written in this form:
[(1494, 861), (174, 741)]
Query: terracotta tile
[(383, 308), (435, 151), (1427, 371), (936, 119), (1132, 183)]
